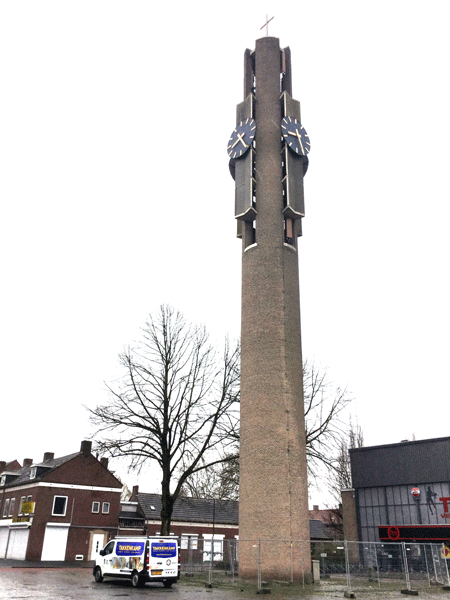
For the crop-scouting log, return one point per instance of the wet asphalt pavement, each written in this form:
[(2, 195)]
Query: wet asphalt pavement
[(78, 584), (18, 581)]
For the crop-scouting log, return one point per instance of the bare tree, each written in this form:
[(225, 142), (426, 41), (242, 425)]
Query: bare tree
[(324, 406), (220, 481), (126, 493), (175, 404), (324, 426), (340, 478)]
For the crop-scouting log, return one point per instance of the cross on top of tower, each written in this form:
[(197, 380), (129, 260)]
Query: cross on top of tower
[(266, 24)]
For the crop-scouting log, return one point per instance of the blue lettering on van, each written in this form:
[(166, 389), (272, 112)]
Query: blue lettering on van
[(129, 548), (164, 549)]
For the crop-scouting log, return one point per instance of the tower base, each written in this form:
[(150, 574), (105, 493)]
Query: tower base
[(275, 560)]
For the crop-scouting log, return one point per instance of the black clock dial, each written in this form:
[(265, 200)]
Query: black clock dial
[(295, 136), (241, 139)]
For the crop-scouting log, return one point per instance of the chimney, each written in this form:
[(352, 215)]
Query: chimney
[(86, 447), (315, 507), (49, 456), (134, 493), (27, 462), (2, 465), (104, 462)]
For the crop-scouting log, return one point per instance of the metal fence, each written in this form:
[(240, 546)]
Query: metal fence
[(390, 566), (346, 566)]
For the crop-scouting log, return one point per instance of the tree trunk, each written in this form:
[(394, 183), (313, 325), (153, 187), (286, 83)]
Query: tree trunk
[(166, 506)]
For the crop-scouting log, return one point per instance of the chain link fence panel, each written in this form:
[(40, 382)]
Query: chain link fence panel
[(338, 565)]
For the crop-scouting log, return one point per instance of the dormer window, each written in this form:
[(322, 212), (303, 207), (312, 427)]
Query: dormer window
[(32, 472), (3, 480)]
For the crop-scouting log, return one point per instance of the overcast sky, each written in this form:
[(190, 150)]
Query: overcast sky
[(116, 197)]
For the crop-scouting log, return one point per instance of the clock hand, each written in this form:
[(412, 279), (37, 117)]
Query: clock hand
[(300, 142), (241, 140)]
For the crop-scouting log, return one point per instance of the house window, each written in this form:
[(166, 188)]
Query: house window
[(216, 545), (12, 506), (59, 506), (189, 541), (22, 501), (96, 507), (105, 508), (6, 508)]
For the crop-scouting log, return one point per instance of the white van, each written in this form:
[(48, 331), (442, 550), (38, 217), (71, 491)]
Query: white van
[(139, 559)]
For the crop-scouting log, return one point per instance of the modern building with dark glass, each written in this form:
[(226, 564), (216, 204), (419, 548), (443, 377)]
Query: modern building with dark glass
[(402, 491)]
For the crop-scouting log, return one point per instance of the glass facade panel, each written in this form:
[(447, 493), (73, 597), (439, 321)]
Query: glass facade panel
[(363, 516), (390, 496), (406, 511), (362, 497), (398, 514), (377, 515), (404, 495), (372, 535), (424, 513), (374, 501)]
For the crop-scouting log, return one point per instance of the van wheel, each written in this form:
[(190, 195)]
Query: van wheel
[(136, 581), (98, 575), (167, 584)]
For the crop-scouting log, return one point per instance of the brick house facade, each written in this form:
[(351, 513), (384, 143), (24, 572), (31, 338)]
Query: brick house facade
[(198, 523), (59, 509)]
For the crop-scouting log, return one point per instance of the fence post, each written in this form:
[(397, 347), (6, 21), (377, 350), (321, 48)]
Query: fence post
[(292, 564), (378, 570), (436, 561), (446, 566), (231, 554), (259, 565), (425, 551), (189, 566), (406, 566), (347, 566), (211, 563)]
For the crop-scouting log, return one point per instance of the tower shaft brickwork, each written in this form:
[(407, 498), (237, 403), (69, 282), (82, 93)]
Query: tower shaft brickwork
[(273, 505)]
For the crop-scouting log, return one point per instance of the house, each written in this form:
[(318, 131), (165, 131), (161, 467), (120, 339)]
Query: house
[(131, 519), (319, 531), (58, 509), (331, 519), (199, 523)]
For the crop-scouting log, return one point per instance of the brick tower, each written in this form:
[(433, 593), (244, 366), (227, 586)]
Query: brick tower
[(268, 158)]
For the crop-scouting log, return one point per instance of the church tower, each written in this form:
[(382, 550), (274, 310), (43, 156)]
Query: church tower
[(268, 158)]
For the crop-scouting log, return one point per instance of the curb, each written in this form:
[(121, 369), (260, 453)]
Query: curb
[(47, 564)]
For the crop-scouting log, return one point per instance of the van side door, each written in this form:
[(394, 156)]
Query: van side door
[(106, 558)]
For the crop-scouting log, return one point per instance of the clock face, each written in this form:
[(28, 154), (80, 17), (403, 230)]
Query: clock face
[(295, 136), (241, 139)]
